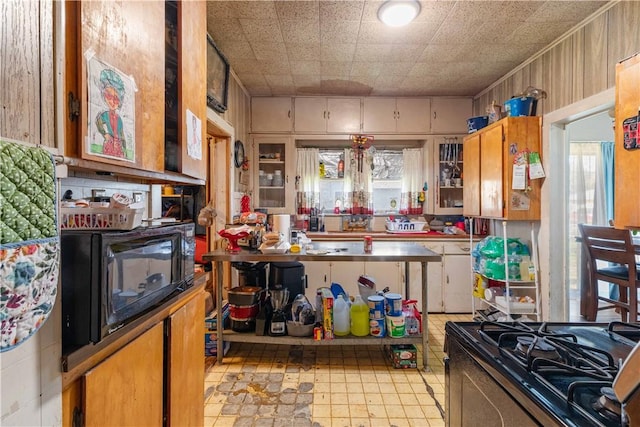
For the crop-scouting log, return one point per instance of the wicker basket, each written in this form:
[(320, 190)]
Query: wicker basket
[(405, 227), (100, 218)]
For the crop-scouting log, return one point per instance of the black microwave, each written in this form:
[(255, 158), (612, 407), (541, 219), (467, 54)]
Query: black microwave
[(109, 278)]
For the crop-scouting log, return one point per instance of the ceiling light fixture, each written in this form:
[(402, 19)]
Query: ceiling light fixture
[(396, 13)]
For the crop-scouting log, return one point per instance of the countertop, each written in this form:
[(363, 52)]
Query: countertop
[(383, 235)]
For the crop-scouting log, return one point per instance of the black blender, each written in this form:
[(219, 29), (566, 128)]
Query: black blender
[(279, 298)]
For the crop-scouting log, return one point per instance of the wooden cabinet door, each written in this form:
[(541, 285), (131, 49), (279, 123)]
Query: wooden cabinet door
[(127, 388), (379, 115), (271, 114), (193, 82), (491, 173), (627, 192), (449, 115), (412, 115), (471, 189), (310, 114), (129, 39), (185, 364), (343, 115)]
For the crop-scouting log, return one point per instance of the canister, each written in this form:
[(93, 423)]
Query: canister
[(395, 326), (394, 304), (376, 307), (376, 327)]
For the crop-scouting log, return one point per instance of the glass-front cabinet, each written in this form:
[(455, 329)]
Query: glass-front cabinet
[(449, 178), (273, 180)]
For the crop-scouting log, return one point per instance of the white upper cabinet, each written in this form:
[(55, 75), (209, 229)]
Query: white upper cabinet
[(449, 115), (396, 115), (271, 114), (331, 115)]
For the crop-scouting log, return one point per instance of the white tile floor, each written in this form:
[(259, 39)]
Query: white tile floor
[(350, 386)]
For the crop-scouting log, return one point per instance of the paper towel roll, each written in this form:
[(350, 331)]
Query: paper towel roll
[(282, 224)]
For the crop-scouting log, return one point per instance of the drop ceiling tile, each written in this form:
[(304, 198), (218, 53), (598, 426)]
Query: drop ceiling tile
[(404, 53), (365, 69), (434, 11), (341, 10), (476, 10), (257, 30), (283, 90), (339, 32), (529, 31), (279, 80), (334, 85), (301, 80), (441, 53), (233, 50), (245, 66), (368, 81), (420, 32), (305, 67), (355, 88), (490, 32), (273, 67), (228, 30), (565, 11), (457, 32), (303, 52), (376, 33), (336, 69), (270, 51), (257, 90), (299, 31), (337, 52), (371, 52), (241, 9), (301, 10), (396, 68)]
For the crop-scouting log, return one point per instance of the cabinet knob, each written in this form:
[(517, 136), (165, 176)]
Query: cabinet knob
[(328, 115), (434, 115)]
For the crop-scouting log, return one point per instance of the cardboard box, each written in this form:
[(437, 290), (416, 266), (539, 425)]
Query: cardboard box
[(402, 356), (211, 344), (327, 313), (211, 321)]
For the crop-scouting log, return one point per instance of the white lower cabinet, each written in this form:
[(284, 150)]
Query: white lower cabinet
[(434, 281), (457, 281)]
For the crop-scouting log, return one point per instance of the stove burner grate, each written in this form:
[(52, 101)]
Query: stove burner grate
[(532, 347)]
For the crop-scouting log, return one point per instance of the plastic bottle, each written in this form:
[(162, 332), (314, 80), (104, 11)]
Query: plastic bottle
[(359, 317), (341, 317), (341, 167)]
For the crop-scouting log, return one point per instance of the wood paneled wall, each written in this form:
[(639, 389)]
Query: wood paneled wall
[(580, 65), (26, 67)]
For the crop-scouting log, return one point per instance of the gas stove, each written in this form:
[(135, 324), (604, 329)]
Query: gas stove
[(536, 373)]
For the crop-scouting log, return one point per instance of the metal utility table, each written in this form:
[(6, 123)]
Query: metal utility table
[(330, 252)]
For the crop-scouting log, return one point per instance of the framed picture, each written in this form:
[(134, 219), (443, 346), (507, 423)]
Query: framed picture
[(217, 77)]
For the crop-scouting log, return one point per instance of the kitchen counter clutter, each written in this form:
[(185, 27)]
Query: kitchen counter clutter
[(330, 252)]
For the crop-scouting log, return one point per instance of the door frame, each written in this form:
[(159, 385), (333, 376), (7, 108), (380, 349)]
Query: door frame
[(555, 151)]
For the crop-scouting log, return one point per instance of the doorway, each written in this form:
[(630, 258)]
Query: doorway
[(586, 120)]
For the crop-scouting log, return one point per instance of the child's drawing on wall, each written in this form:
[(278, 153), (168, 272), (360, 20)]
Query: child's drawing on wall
[(111, 112)]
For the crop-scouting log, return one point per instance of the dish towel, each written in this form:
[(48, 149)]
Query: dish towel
[(29, 241)]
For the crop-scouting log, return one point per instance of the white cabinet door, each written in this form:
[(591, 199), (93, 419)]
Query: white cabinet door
[(386, 274), (379, 115), (457, 281), (343, 115), (346, 274), (318, 276), (413, 114), (271, 114), (434, 281), (449, 115), (310, 114)]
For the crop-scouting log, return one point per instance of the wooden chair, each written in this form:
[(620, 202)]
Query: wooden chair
[(613, 250)]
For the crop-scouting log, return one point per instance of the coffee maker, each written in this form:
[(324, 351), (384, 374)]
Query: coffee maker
[(287, 275)]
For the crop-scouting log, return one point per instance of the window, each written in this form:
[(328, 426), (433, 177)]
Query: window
[(386, 186)]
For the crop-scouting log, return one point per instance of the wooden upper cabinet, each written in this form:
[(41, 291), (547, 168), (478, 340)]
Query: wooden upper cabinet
[(192, 78), (489, 157), (120, 50), (271, 114), (327, 115), (449, 115), (471, 161), (627, 192)]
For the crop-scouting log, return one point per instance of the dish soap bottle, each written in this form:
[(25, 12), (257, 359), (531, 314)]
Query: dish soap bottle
[(341, 317), (359, 317)]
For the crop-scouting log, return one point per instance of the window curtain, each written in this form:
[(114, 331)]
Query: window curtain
[(358, 184), (608, 176), (412, 182), (307, 180)]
